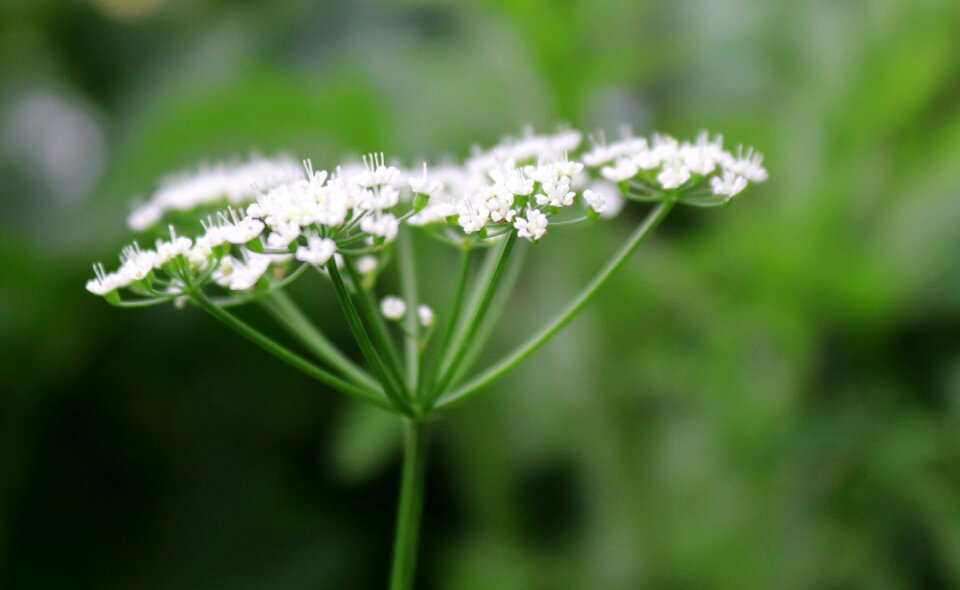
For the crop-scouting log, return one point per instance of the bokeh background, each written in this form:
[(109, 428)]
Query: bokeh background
[(768, 396)]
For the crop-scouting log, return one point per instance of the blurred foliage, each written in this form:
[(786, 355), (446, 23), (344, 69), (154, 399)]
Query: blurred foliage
[(766, 397)]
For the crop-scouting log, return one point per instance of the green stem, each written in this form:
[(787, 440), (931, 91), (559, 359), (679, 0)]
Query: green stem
[(471, 300), (450, 323), (283, 309), (408, 285), (391, 387), (494, 313), (410, 508), (370, 309), (478, 316), (287, 356), (652, 220)]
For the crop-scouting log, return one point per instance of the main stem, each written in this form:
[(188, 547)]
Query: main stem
[(410, 506)]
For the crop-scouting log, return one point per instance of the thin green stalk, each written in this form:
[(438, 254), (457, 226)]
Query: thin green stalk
[(370, 309), (283, 309), (652, 220), (410, 508), (391, 387), (478, 316), (480, 282), (408, 285), (494, 312), (451, 321), (287, 356)]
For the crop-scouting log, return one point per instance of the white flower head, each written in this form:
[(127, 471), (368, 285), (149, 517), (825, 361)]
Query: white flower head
[(241, 275), (533, 226), (283, 235), (750, 165), (317, 251), (423, 185), (137, 263), (674, 173), (729, 185), (376, 172), (381, 225), (702, 158), (234, 183), (243, 230), (177, 246), (622, 169), (366, 264), (379, 198), (595, 200), (473, 214), (296, 212), (500, 206), (105, 282), (606, 195), (425, 314), (556, 192), (393, 308)]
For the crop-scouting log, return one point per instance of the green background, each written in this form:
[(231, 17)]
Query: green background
[(767, 396)]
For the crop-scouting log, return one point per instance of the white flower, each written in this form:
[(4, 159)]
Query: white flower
[(379, 198), (426, 315), (381, 225), (376, 172), (621, 170), (613, 201), (628, 148), (749, 165), (366, 264), (507, 177), (599, 155), (317, 251), (664, 148), (423, 185), (244, 230), (703, 157), (177, 246), (557, 192), (473, 214), (232, 182), (595, 200), (137, 263), (674, 174), (105, 282), (393, 308), (145, 216), (533, 227), (239, 275), (200, 253), (500, 207), (729, 185), (283, 235), (551, 171), (513, 183)]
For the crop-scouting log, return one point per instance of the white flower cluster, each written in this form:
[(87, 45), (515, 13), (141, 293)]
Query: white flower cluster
[(231, 183), (304, 218), (518, 184), (666, 164), (280, 214)]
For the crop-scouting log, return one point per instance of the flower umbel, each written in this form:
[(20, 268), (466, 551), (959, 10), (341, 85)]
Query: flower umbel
[(259, 225)]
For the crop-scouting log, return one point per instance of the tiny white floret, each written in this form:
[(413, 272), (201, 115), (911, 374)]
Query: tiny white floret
[(426, 315), (317, 251), (393, 308)]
